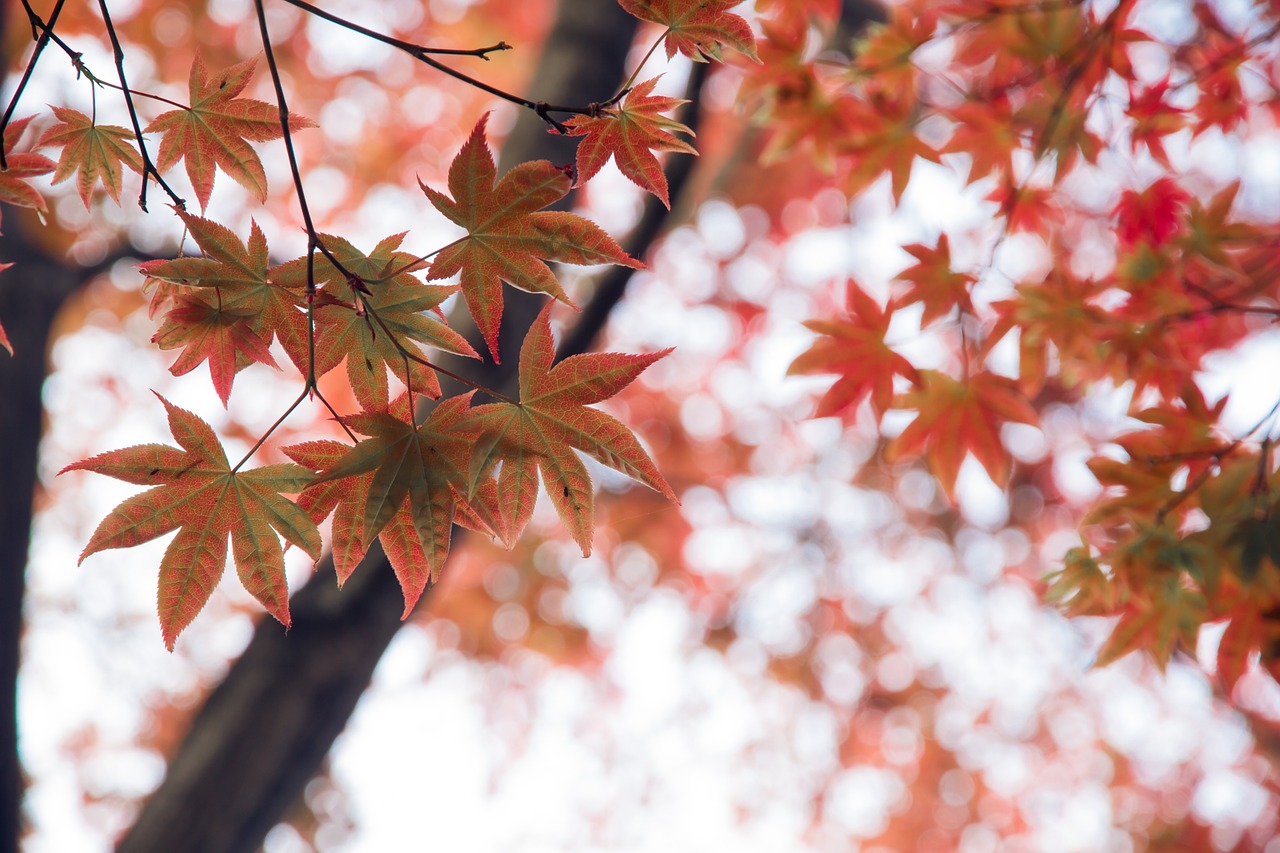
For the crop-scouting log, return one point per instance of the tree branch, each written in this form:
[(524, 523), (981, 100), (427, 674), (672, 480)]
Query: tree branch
[(265, 730)]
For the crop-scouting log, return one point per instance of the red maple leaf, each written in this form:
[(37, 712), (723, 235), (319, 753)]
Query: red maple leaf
[(958, 417), (934, 283), (697, 28), (1154, 214), (509, 236), (229, 304), (14, 188), (855, 349), (630, 134), (208, 331)]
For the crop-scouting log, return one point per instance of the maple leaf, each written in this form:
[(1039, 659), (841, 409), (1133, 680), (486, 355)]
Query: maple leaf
[(1153, 119), (1250, 630), (934, 283), (375, 325), (236, 298), (630, 135), (1170, 617), (509, 237), (14, 188), (214, 132), (1059, 314), (959, 417), (1153, 215), (196, 492), (94, 151), (697, 28), (855, 349), (208, 331), (539, 433), (401, 485), (1081, 587)]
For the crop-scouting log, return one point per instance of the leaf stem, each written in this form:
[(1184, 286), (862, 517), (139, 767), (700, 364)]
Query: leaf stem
[(270, 430), (626, 87)]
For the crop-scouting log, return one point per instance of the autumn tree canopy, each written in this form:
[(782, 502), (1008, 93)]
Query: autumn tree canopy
[(1056, 350)]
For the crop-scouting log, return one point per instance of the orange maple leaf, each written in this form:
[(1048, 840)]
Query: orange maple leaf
[(509, 237), (630, 134), (697, 28), (959, 417), (94, 151), (230, 305), (196, 492), (214, 132), (855, 349), (539, 434)]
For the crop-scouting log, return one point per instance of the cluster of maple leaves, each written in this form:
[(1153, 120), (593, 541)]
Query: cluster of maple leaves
[(1187, 528), (404, 480), (1029, 97)]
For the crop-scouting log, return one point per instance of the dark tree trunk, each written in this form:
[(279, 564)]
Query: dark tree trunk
[(30, 295)]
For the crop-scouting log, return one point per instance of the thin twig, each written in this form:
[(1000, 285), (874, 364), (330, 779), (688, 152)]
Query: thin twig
[(41, 42), (271, 429), (148, 168), (424, 55)]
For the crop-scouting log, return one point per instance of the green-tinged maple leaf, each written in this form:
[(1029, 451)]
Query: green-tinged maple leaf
[(959, 417), (92, 151), (196, 493), (1169, 618), (856, 351), (215, 131), (401, 484), (551, 419), (236, 296), (1081, 587), (1059, 314), (697, 28), (378, 321), (14, 188), (630, 134), (509, 236)]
